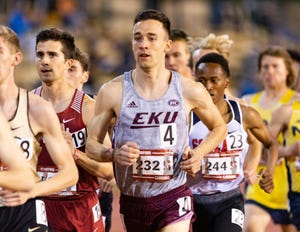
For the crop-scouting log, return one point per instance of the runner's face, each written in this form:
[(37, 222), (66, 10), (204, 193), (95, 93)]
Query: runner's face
[(8, 59), (273, 71), (177, 58), (150, 43), (50, 61), (212, 76), (75, 74)]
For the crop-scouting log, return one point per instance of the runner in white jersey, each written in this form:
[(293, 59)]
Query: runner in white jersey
[(163, 123), (31, 119), (15, 173), (151, 155), (218, 201)]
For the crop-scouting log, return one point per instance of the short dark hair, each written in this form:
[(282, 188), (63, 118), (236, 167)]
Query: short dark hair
[(180, 35), (83, 59), (217, 59), (155, 15), (66, 39), (177, 34)]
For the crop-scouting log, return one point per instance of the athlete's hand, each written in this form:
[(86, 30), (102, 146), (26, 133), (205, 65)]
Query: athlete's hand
[(10, 199), (190, 162), (105, 185), (250, 176), (68, 137), (266, 182), (127, 154)]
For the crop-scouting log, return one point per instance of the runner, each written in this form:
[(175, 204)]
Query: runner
[(78, 205), (15, 173), (32, 120), (218, 201), (150, 138)]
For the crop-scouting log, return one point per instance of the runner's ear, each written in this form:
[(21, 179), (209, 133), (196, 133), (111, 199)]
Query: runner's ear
[(168, 45)]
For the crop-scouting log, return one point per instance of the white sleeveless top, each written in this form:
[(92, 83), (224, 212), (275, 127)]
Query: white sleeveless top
[(222, 169), (160, 128)]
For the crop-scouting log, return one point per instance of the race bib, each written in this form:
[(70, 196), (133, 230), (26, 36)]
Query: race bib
[(96, 212), (46, 173), (185, 205), (168, 135), (235, 141), (218, 166), (79, 138), (26, 145), (41, 216), (154, 166)]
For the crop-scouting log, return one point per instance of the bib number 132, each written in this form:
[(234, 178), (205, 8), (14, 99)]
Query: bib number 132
[(168, 135)]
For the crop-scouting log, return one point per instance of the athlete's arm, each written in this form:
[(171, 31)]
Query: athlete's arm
[(98, 128), (107, 107), (279, 123), (252, 121), (252, 159), (198, 100), (45, 120), (99, 169), (19, 175), (44, 123)]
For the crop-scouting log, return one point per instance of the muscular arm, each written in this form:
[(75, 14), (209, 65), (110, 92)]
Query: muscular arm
[(253, 122), (108, 104), (99, 126), (45, 120), (279, 123), (19, 175), (209, 114), (103, 170), (198, 100), (252, 158)]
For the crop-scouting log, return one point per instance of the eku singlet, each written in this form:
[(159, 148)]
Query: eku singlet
[(221, 169), (277, 199), (292, 135), (160, 128), (71, 117), (23, 134)]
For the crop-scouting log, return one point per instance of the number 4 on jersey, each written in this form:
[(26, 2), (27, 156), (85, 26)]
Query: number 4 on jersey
[(168, 135)]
